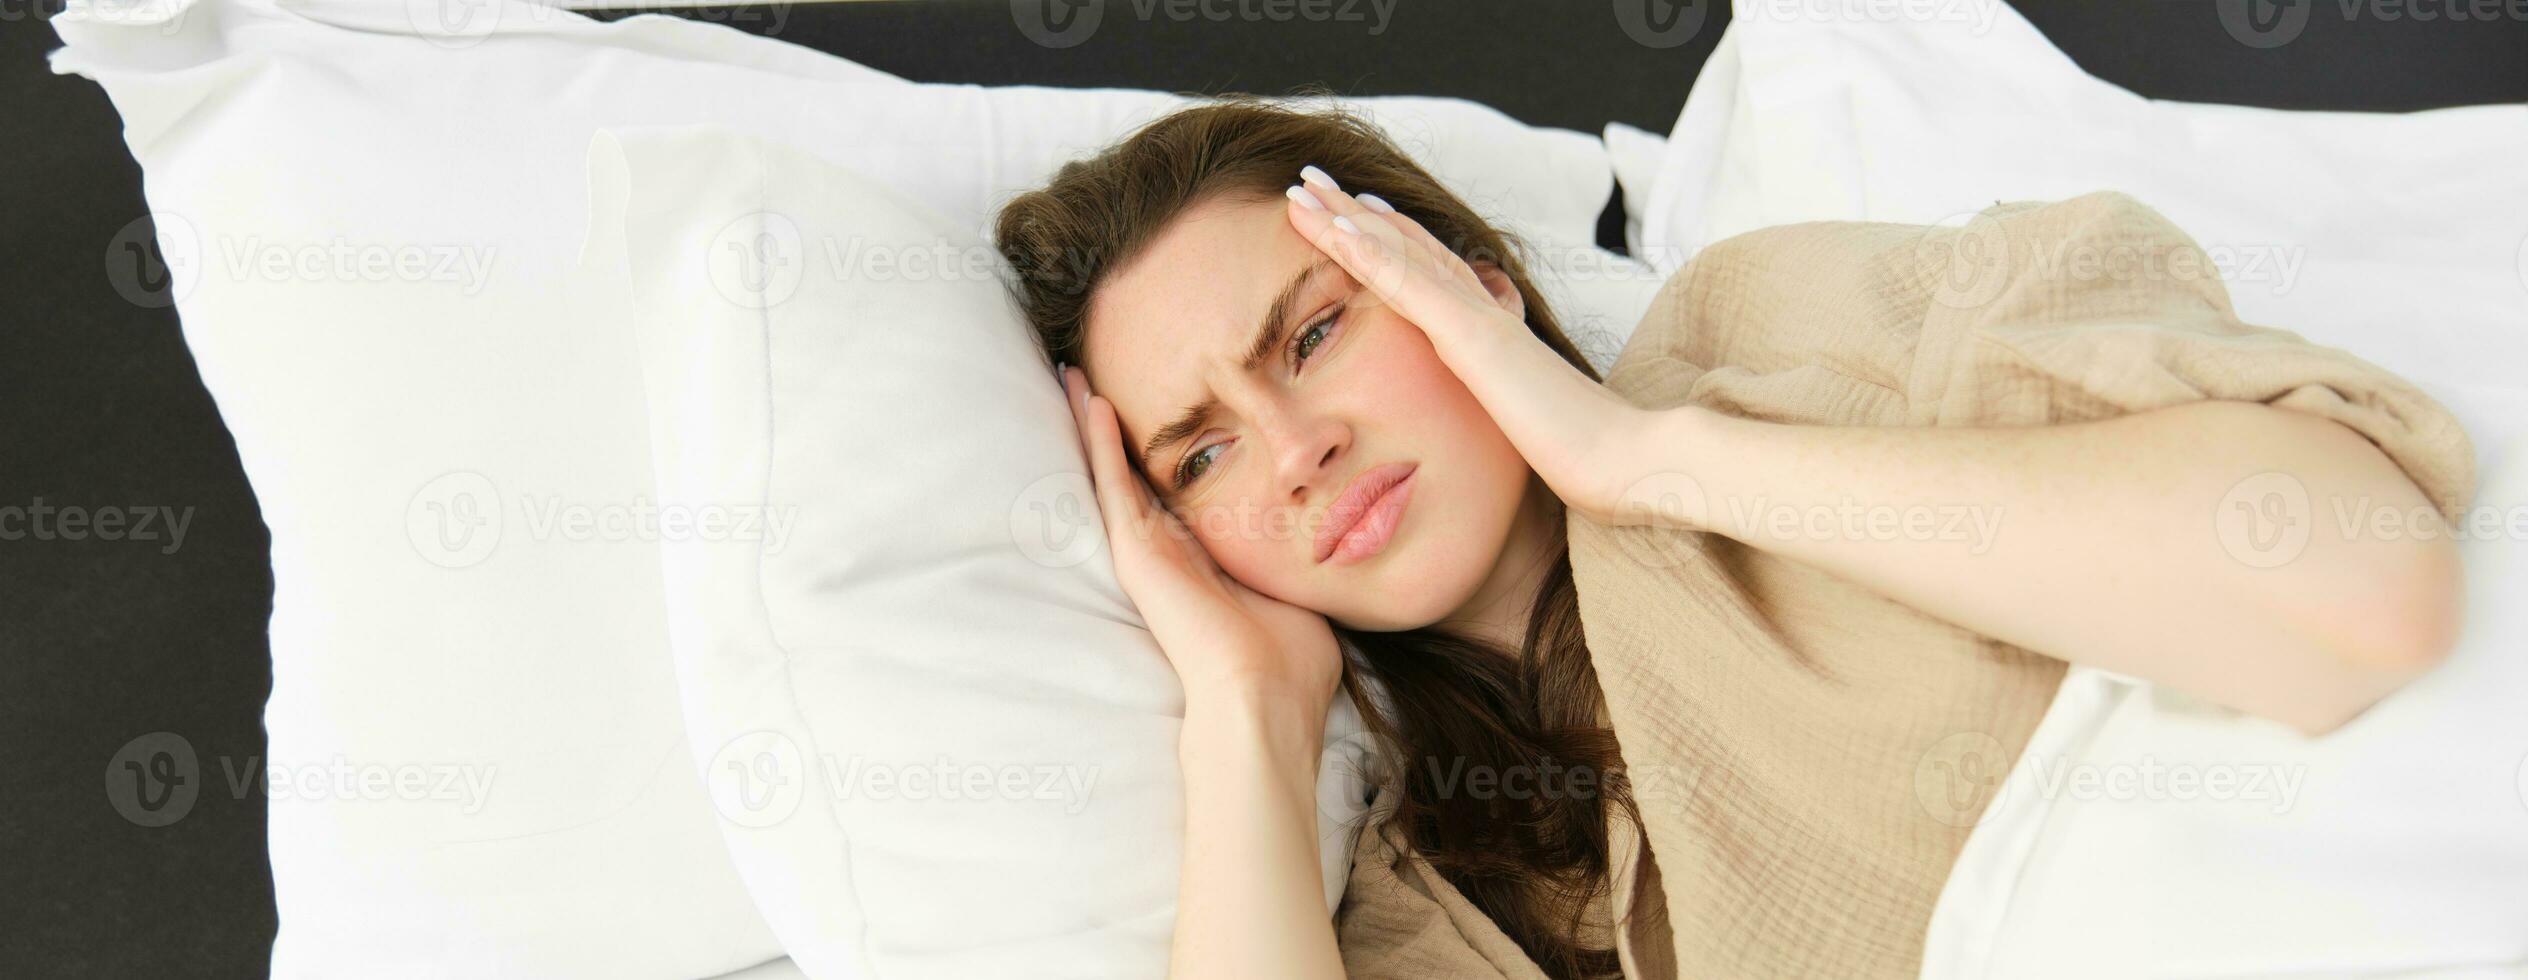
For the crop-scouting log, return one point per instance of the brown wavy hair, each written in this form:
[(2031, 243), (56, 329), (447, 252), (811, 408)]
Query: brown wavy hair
[(1459, 704)]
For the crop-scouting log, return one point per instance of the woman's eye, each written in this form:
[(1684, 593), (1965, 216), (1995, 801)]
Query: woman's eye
[(1313, 336), (1192, 466)]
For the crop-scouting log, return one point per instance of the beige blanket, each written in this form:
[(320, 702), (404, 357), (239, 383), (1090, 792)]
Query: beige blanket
[(1810, 756)]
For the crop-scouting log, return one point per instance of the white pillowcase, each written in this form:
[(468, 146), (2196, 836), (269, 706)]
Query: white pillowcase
[(2399, 845), (945, 615), (375, 223)]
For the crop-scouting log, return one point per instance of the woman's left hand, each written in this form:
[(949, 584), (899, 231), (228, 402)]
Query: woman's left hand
[(1587, 443)]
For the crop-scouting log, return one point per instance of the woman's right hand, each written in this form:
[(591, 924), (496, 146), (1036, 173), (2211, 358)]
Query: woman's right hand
[(1223, 638), (1259, 675)]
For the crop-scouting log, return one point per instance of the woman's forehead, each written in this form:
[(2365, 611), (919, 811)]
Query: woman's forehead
[(1195, 292), (1190, 300)]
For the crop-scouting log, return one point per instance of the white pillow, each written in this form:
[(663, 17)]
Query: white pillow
[(2399, 845), (945, 611), (375, 237)]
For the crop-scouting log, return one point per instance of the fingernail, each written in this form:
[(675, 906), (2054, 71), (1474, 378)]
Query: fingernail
[(1346, 224), (1375, 203), (1305, 199), (1311, 174)]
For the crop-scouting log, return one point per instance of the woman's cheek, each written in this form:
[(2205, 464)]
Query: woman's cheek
[(1250, 554), (1409, 370), (1401, 369)]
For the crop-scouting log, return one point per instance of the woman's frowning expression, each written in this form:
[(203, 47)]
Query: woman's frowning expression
[(1256, 381)]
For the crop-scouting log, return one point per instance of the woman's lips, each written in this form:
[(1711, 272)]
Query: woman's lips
[(1366, 516)]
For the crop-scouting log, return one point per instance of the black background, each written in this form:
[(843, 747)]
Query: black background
[(100, 404)]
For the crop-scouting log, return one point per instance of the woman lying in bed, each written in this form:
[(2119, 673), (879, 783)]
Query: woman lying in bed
[(1853, 497)]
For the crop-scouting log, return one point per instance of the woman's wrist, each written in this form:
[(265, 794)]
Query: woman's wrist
[(1250, 892), (1670, 488), (1284, 726)]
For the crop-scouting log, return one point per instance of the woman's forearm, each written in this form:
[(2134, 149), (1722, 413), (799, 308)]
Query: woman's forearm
[(1250, 899), (2097, 542)]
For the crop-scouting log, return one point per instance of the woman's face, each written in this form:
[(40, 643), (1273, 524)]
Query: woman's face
[(1346, 387)]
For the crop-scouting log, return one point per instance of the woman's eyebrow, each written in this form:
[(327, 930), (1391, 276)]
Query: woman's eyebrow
[(1189, 422)]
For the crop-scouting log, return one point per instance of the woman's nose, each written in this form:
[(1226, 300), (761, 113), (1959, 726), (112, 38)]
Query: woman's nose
[(1304, 445)]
